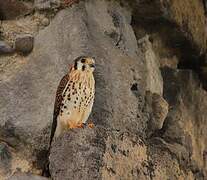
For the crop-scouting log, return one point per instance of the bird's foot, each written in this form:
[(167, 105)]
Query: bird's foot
[(74, 126), (91, 125), (80, 125)]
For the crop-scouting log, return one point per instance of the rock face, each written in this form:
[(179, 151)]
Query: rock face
[(175, 14), (46, 4), (154, 79), (159, 111), (22, 176), (11, 9), (86, 162), (181, 126), (149, 123)]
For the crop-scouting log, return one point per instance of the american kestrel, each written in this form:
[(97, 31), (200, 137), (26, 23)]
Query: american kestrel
[(74, 96)]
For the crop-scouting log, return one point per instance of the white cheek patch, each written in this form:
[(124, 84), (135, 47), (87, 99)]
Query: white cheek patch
[(79, 66)]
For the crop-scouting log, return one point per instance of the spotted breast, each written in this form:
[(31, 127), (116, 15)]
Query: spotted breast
[(75, 97)]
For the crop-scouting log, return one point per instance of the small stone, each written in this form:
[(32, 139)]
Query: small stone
[(24, 43), (45, 22), (5, 48), (159, 108)]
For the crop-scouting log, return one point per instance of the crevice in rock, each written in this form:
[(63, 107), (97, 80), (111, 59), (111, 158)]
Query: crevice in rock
[(170, 35), (42, 162), (169, 39), (197, 65), (134, 87)]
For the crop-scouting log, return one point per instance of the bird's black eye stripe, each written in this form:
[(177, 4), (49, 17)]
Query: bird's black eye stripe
[(83, 67), (83, 60), (76, 65)]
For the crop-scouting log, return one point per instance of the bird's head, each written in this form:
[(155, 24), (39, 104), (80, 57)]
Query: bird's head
[(84, 63)]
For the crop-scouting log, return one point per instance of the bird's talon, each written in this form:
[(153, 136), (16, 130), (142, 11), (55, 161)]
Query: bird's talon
[(80, 125), (91, 125), (76, 126)]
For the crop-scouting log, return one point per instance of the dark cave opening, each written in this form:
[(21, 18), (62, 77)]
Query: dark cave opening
[(188, 53)]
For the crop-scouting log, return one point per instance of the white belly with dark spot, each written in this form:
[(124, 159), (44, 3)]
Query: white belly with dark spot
[(77, 103)]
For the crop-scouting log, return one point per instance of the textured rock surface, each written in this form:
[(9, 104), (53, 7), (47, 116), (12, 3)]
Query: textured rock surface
[(154, 79), (186, 122), (150, 123), (46, 4), (179, 11), (22, 176), (87, 161), (176, 12), (11, 161), (5, 48), (10, 9), (119, 157), (5, 156), (159, 110)]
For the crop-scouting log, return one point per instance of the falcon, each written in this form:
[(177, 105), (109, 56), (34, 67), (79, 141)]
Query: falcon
[(74, 97)]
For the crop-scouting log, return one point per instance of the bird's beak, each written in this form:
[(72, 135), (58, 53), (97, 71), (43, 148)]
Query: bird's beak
[(92, 65)]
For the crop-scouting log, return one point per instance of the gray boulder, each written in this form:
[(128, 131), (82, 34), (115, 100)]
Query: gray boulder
[(24, 43)]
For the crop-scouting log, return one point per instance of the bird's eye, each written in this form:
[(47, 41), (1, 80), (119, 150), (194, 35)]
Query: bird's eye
[(83, 60)]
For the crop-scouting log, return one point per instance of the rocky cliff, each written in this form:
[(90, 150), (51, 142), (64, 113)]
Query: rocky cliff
[(150, 110)]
